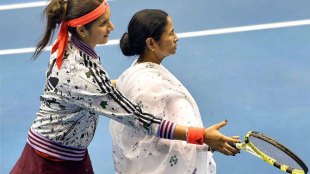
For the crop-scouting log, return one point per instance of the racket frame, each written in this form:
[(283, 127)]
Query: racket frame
[(249, 147)]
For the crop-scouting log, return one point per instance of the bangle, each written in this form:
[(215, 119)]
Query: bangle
[(195, 135)]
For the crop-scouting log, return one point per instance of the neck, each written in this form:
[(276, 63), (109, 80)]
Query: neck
[(88, 43), (149, 57), (80, 44)]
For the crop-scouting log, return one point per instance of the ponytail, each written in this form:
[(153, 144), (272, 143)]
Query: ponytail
[(55, 13)]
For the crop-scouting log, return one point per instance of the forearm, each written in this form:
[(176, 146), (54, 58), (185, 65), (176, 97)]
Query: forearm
[(180, 133), (210, 136)]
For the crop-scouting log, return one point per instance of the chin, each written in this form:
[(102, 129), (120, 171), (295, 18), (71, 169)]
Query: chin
[(104, 41)]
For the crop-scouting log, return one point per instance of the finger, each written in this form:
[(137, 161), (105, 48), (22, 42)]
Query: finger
[(221, 150), (232, 149), (235, 137), (221, 124), (231, 140), (225, 151)]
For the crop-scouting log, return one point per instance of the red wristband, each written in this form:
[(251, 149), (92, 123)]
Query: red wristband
[(195, 135)]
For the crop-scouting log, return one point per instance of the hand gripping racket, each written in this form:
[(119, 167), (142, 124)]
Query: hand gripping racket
[(272, 152)]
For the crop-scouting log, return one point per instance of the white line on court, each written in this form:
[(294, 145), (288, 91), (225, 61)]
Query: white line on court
[(245, 28), (190, 34), (25, 5)]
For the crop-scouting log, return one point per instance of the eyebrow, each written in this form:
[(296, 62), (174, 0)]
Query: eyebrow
[(105, 19)]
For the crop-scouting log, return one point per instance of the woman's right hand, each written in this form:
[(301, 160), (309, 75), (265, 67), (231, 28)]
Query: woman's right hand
[(219, 142)]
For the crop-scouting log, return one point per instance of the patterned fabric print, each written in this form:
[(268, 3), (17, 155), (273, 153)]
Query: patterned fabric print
[(173, 160), (157, 91), (76, 94)]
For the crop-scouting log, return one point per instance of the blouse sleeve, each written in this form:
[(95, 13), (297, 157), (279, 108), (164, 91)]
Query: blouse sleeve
[(90, 87)]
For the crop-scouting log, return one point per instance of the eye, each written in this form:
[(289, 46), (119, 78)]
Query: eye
[(104, 22)]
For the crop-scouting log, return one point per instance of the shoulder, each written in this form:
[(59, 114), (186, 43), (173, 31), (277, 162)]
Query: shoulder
[(143, 72), (144, 77)]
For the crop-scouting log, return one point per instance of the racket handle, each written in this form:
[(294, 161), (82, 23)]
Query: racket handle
[(237, 146)]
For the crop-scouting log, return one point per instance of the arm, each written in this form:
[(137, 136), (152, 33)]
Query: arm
[(91, 88), (212, 137), (180, 107)]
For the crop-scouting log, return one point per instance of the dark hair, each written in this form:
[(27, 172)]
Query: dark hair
[(144, 24), (61, 10)]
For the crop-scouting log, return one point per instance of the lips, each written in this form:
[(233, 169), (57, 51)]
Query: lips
[(107, 35)]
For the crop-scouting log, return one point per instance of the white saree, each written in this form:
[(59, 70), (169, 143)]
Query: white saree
[(157, 91)]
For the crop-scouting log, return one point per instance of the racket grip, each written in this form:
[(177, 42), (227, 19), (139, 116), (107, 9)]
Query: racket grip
[(237, 146)]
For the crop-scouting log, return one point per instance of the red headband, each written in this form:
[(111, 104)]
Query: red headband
[(62, 38)]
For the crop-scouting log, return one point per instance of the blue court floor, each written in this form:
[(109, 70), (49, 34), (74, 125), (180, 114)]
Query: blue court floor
[(258, 79)]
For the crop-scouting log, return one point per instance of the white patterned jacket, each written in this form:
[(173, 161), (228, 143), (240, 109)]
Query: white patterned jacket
[(73, 97)]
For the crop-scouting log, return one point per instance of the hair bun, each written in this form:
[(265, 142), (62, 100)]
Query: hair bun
[(126, 47)]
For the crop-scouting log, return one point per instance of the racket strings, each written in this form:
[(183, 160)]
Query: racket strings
[(275, 152)]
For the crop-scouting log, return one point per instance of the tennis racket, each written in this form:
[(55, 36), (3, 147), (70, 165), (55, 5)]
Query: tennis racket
[(272, 152)]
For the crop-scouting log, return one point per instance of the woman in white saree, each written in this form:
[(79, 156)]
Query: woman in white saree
[(156, 90)]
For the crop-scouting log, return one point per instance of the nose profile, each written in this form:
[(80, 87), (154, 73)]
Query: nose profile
[(111, 28), (176, 38)]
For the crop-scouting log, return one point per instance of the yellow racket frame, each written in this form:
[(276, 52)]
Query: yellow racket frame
[(248, 146)]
